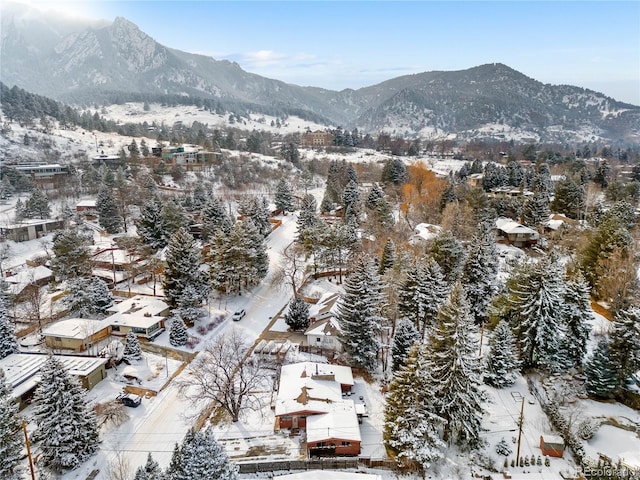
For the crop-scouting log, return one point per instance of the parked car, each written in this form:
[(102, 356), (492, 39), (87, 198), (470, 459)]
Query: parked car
[(239, 315), (129, 400)]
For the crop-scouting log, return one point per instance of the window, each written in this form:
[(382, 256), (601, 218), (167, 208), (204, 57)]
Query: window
[(345, 444)]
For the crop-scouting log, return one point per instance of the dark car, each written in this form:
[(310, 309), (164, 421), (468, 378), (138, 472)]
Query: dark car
[(129, 399)]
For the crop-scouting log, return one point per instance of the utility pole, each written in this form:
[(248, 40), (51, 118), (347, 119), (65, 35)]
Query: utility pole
[(26, 441), (520, 430)]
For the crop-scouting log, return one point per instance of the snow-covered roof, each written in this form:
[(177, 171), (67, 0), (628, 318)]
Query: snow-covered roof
[(141, 305), (22, 369), (555, 439), (328, 475), (30, 222), (328, 327), (86, 203), (29, 275), (115, 256), (427, 231), (325, 306), (74, 328), (312, 387), (340, 423), (512, 227)]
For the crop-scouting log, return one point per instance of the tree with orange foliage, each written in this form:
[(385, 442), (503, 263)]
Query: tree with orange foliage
[(421, 195)]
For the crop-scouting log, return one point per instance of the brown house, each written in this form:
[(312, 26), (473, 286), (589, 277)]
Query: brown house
[(317, 139), (552, 445)]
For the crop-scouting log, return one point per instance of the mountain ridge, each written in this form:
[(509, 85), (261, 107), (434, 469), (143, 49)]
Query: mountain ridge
[(88, 64)]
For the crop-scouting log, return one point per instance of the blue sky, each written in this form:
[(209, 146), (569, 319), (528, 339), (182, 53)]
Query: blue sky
[(336, 44)]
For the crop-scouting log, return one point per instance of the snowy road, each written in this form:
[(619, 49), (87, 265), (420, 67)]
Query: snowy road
[(161, 422)]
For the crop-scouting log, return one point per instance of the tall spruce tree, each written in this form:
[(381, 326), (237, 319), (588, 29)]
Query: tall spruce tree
[(203, 457), (502, 362), (132, 350), (108, 213), (87, 297), (449, 253), (297, 316), (66, 431), (455, 371), (8, 339), (150, 471), (183, 260), (71, 255), (479, 272), (624, 343), (178, 334), (578, 311), (359, 313), (600, 370), (405, 336), (214, 218), (388, 256), (284, 196), (411, 428), (150, 225), (10, 437)]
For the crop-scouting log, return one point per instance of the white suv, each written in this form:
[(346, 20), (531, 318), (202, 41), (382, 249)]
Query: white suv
[(237, 316)]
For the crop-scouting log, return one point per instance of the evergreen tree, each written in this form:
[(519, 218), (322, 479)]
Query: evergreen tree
[(351, 201), (150, 471), (214, 218), (87, 297), (535, 211), (202, 457), (150, 225), (449, 253), (284, 196), (578, 311), (537, 303), (375, 194), (388, 256), (502, 362), (37, 205), (422, 294), (411, 427), (189, 304), (455, 371), (8, 339), (108, 214), (66, 427), (359, 314), (174, 217), (308, 220), (600, 370), (479, 273), (178, 334), (183, 260), (297, 316), (624, 343), (394, 171), (132, 350), (257, 210), (405, 336), (10, 437), (174, 470), (71, 255)]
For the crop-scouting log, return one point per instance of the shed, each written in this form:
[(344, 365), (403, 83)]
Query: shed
[(552, 445)]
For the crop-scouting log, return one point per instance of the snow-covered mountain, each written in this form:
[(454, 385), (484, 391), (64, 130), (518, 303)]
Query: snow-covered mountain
[(98, 62)]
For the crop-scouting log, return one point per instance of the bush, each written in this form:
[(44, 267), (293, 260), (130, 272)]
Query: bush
[(503, 448), (586, 429)]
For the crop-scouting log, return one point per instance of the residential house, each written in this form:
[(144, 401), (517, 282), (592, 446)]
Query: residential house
[(514, 233), (77, 334), (317, 139), (323, 332), (27, 278), (22, 372), (143, 315), (30, 229), (88, 209), (191, 157), (310, 397), (45, 176)]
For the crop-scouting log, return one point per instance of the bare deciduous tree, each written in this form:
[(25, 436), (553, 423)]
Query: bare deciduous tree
[(225, 375), (290, 271)]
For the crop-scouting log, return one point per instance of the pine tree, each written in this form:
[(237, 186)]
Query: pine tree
[(203, 457), (600, 370), (8, 339), (411, 427), (359, 313), (183, 260), (150, 471), (479, 273), (422, 294), (449, 253), (174, 470), (66, 427), (537, 305), (87, 297), (150, 225), (174, 217), (351, 201), (375, 194), (405, 336), (502, 362), (108, 214), (388, 256), (10, 439), (37, 205), (297, 316), (535, 211), (214, 218), (71, 256), (455, 371), (132, 350), (284, 196), (189, 304), (178, 334), (625, 343), (578, 311)]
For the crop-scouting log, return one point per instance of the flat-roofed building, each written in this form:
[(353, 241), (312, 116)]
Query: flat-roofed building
[(77, 334)]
